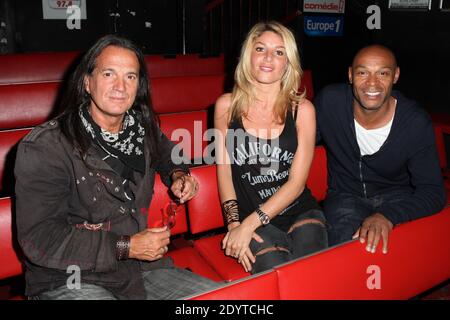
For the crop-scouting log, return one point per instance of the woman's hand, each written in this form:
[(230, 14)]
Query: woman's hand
[(185, 187), (237, 244)]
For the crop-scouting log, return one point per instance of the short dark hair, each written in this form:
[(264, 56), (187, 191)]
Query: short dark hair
[(76, 96)]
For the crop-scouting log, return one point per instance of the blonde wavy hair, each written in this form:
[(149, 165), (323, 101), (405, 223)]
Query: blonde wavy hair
[(243, 91)]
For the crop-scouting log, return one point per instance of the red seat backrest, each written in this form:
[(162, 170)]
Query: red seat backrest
[(35, 67), (307, 84), (205, 212), (418, 259), (9, 139), (317, 178), (27, 105), (10, 264), (159, 203), (263, 286), (182, 103), (187, 93), (53, 66), (187, 129), (184, 65)]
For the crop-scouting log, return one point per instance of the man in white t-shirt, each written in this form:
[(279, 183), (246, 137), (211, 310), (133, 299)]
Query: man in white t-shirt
[(383, 167)]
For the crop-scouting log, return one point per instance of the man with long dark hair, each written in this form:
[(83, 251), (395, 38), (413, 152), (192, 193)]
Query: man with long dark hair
[(84, 183)]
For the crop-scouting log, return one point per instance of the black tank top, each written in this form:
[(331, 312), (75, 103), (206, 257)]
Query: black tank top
[(261, 166)]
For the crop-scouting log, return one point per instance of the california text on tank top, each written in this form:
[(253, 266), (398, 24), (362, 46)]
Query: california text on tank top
[(261, 166)]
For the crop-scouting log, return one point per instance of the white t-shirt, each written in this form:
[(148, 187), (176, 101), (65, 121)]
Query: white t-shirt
[(370, 141)]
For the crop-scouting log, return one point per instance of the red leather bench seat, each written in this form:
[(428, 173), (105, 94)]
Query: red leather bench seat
[(188, 258), (317, 179), (183, 88), (185, 257), (263, 286), (205, 214), (418, 259), (187, 130), (188, 93), (36, 67), (27, 105), (184, 65), (10, 264), (307, 84)]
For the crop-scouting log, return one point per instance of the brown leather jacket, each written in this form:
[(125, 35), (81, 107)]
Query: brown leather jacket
[(57, 191)]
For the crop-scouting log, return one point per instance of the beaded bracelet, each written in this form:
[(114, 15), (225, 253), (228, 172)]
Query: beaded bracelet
[(123, 248), (231, 211)]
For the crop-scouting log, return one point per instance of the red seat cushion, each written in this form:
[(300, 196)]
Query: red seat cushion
[(188, 258), (210, 248), (263, 286), (54, 66), (10, 264)]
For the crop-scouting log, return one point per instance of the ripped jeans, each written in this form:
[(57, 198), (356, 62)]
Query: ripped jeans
[(301, 241)]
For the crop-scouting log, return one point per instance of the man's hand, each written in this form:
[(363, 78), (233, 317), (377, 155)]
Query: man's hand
[(184, 187), (150, 244), (372, 229)]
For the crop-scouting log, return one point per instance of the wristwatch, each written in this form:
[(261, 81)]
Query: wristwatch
[(264, 218)]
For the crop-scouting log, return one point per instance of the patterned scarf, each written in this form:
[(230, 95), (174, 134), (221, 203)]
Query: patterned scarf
[(126, 146)]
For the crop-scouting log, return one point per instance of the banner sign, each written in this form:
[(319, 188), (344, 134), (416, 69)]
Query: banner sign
[(324, 26), (57, 9), (410, 4), (324, 6)]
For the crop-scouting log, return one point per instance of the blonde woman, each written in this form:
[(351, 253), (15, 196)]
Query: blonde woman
[(268, 136)]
